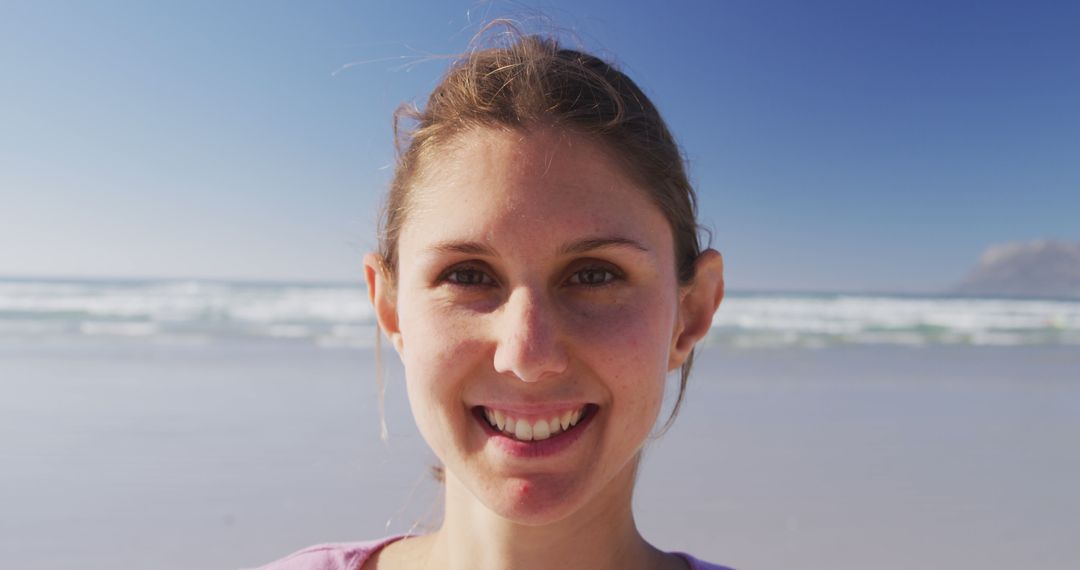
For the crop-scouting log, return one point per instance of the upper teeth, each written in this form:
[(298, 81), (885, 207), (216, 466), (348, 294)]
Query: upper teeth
[(526, 430)]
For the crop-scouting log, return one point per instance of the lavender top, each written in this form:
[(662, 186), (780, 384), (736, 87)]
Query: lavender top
[(352, 555)]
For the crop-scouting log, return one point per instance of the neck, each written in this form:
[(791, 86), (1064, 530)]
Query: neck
[(600, 535)]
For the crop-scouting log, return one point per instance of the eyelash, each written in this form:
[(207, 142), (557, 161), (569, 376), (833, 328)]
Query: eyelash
[(448, 277), (610, 276)]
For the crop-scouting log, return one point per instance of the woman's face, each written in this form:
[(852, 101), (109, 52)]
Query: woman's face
[(536, 310)]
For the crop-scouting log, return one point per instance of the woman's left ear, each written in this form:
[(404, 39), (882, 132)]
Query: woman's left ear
[(697, 305)]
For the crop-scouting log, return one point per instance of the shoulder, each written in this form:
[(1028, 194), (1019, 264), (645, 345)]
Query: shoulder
[(339, 556), (696, 564)]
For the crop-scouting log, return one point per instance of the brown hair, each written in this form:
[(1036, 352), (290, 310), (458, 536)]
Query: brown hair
[(531, 81)]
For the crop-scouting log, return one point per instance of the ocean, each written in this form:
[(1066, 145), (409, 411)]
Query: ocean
[(339, 315), (201, 424)]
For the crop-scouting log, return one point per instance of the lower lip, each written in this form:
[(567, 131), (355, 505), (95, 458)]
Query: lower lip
[(536, 448)]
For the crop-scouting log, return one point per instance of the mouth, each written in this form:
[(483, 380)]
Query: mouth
[(554, 424)]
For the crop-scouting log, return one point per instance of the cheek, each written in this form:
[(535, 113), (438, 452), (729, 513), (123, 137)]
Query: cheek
[(436, 354), (628, 345)]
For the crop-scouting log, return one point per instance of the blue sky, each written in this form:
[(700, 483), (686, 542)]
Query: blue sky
[(835, 145)]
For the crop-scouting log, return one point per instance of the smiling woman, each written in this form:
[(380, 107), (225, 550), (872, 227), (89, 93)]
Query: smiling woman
[(539, 275)]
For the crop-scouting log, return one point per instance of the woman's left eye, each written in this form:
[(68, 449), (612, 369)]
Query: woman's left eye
[(593, 276)]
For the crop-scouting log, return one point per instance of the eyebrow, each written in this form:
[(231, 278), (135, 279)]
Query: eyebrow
[(465, 247), (590, 244), (575, 247)]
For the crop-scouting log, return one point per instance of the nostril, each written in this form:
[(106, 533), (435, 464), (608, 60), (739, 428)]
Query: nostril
[(530, 357), (529, 346)]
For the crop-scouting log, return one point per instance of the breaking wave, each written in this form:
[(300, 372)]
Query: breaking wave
[(339, 315)]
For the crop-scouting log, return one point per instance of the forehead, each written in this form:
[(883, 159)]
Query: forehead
[(535, 189)]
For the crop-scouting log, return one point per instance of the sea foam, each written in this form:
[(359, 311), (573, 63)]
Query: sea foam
[(339, 315)]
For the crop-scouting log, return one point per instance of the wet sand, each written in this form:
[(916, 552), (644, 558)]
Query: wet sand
[(231, 455)]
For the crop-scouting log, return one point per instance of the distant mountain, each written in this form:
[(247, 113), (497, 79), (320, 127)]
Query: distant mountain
[(1043, 268)]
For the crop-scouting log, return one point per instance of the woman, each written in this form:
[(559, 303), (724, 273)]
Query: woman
[(539, 275)]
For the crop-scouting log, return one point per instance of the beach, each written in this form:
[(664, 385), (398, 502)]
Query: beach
[(180, 448), (228, 457), (881, 196)]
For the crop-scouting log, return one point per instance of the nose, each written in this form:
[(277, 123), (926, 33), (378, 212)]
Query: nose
[(529, 342)]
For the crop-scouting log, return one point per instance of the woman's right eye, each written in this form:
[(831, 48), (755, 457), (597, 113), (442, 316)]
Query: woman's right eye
[(468, 277)]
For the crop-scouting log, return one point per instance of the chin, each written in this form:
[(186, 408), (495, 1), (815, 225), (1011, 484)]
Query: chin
[(537, 500), (541, 500)]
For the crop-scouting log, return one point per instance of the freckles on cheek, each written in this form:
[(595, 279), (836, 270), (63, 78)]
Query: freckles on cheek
[(442, 354), (631, 348), (430, 328), (632, 338)]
